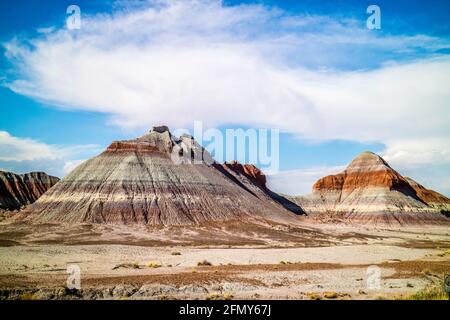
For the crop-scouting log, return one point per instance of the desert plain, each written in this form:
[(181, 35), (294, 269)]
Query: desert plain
[(227, 260)]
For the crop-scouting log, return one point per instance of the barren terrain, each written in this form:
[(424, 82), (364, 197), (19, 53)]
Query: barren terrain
[(239, 261)]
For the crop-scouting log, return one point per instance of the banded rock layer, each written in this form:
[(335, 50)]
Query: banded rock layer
[(370, 191), (18, 190), (432, 198), (255, 181), (157, 179)]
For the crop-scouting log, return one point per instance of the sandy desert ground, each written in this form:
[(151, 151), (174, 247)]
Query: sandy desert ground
[(309, 261)]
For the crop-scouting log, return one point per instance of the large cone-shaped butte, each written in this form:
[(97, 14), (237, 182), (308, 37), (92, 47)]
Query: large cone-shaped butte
[(143, 181), (370, 191)]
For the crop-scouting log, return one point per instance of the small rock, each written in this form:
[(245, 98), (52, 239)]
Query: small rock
[(160, 129)]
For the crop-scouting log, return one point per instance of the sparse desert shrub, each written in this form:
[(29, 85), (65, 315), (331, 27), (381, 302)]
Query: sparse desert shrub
[(134, 265), (176, 253), (330, 295), (166, 297), (153, 264), (27, 296), (285, 262), (217, 296), (432, 293), (443, 254), (204, 263), (228, 296), (313, 296), (426, 272)]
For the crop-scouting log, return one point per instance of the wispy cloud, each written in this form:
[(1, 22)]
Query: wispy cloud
[(18, 154), (17, 149)]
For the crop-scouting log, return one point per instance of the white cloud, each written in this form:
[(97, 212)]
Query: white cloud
[(20, 154), (300, 181), (17, 149), (178, 61), (72, 164), (414, 153)]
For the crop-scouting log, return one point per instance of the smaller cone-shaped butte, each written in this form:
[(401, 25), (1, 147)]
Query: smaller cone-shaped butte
[(369, 191), (18, 190), (152, 180)]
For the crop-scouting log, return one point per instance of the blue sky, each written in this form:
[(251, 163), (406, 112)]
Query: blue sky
[(309, 68)]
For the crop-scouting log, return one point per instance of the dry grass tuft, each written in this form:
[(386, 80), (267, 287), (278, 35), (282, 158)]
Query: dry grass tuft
[(313, 296), (204, 263), (217, 296), (426, 272), (154, 265), (330, 295), (27, 296), (432, 293)]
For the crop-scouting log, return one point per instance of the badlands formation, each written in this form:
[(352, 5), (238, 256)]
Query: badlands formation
[(19, 190), (142, 221), (369, 191), (162, 180), (153, 180)]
